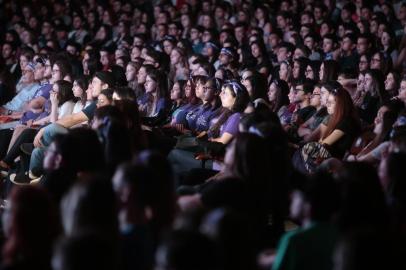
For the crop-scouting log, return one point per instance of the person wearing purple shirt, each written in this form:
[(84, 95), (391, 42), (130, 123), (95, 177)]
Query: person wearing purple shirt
[(234, 99)]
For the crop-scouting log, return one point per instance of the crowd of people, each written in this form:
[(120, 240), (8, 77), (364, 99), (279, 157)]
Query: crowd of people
[(203, 135)]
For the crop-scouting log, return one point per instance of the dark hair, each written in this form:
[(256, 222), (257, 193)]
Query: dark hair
[(33, 228), (258, 86), (281, 94), (83, 83), (125, 93), (65, 91), (321, 191), (331, 68), (64, 66), (362, 203), (242, 98)]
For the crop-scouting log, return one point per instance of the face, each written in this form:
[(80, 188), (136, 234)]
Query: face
[(209, 92), (309, 73), (292, 95), (199, 90), (95, 87), (188, 89), (77, 91), (363, 63), (23, 61), (167, 47), (175, 57), (6, 51), (324, 29), (379, 115), (327, 45), (300, 94), (283, 72), (347, 44), (331, 104), (402, 91), (361, 82), (385, 39), (272, 92), (104, 58), (368, 82), (227, 98), (389, 82), (176, 92), (362, 45), (130, 73), (309, 43), (255, 50), (142, 75), (282, 54), (296, 70), (324, 96), (135, 52), (224, 59), (321, 72), (28, 75), (39, 72), (56, 74), (102, 100), (376, 61), (150, 85), (315, 99)]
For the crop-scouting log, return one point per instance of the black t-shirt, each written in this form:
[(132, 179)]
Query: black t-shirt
[(369, 108), (89, 110), (351, 130), (303, 115)]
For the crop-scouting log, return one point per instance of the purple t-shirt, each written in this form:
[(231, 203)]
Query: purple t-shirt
[(231, 125), (29, 115), (44, 91)]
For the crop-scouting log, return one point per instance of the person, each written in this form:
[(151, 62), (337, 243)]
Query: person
[(314, 206), (154, 105), (374, 97), (101, 80), (234, 100), (340, 129), (28, 247)]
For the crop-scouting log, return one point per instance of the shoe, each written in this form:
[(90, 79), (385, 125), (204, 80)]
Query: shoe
[(36, 181), (27, 148), (20, 179)]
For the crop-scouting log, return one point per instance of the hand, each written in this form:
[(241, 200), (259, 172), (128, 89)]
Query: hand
[(29, 123), (201, 134), (54, 98), (38, 137)]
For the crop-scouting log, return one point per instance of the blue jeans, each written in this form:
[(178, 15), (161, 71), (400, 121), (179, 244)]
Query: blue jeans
[(37, 156), (183, 161)]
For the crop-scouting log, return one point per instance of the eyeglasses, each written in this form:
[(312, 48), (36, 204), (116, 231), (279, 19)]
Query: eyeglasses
[(376, 60)]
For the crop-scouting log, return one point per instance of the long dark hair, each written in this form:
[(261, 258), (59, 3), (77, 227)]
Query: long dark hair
[(65, 92), (281, 94), (258, 86), (378, 85), (344, 109), (83, 82)]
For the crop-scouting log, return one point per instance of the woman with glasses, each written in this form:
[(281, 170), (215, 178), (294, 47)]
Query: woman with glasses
[(312, 70), (234, 99)]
